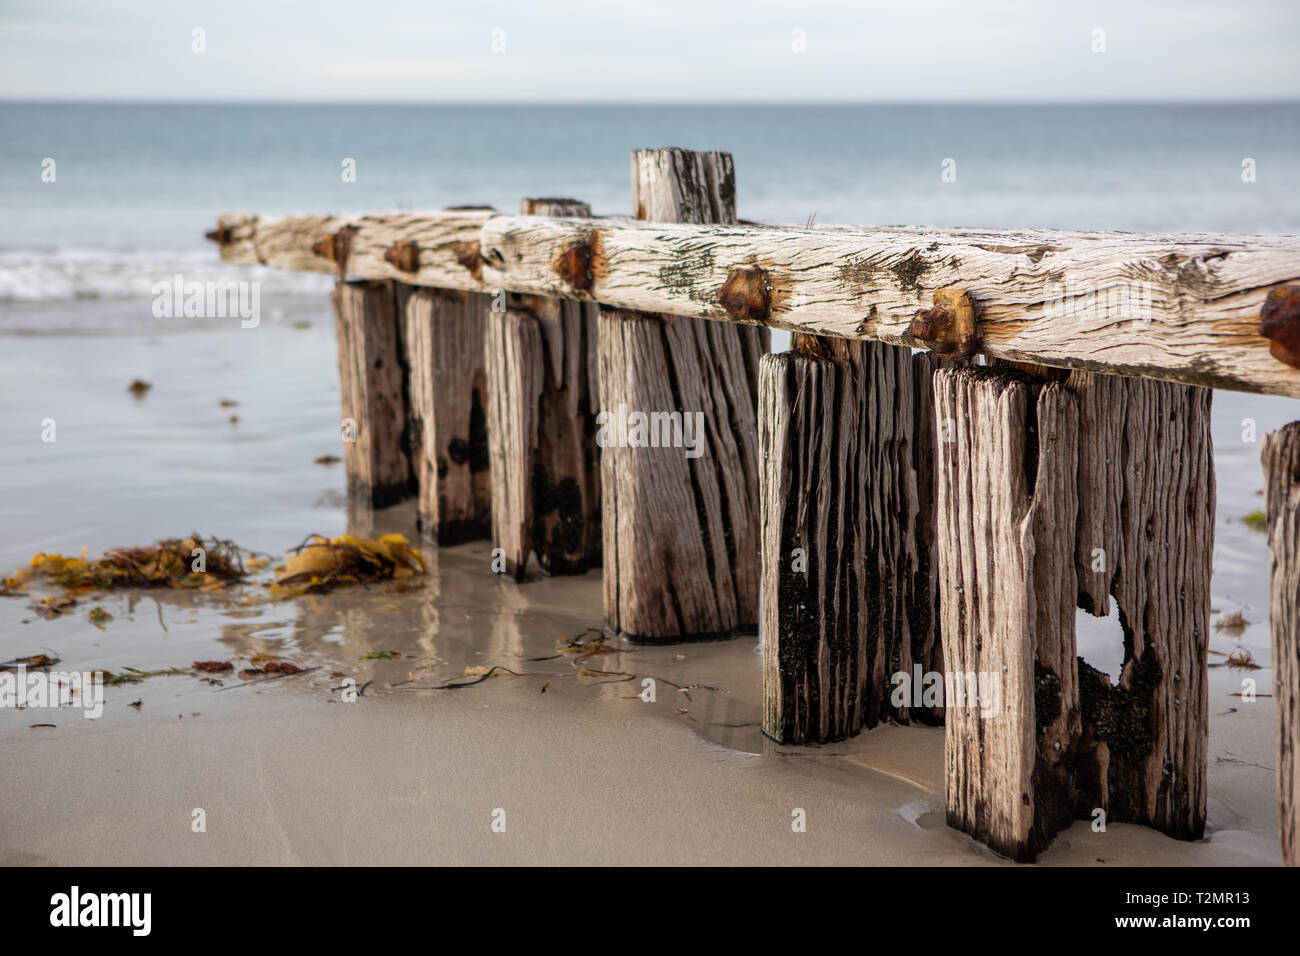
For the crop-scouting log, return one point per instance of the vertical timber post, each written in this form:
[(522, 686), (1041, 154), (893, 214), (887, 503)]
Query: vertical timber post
[(1146, 540), (1281, 454), (443, 333), (846, 431), (680, 524), (372, 380), (1007, 505), (540, 358), (1053, 494)]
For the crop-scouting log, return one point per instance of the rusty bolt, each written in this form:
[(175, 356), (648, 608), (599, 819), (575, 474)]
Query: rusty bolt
[(221, 235), (469, 256), (404, 255), (1279, 322), (336, 247), (573, 265), (948, 326), (746, 295)]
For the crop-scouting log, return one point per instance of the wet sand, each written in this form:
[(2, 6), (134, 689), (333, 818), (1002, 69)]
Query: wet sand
[(287, 771)]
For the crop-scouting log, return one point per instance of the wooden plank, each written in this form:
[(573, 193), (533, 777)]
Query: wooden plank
[(1146, 540), (372, 380), (680, 534), (1281, 455), (1182, 308), (846, 435), (446, 245), (1178, 307), (1007, 508), (542, 423), (444, 342)]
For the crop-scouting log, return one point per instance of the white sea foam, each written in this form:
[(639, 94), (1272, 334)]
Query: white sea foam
[(69, 274)]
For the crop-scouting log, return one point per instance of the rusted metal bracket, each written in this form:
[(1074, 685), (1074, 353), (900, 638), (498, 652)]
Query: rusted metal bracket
[(336, 247), (948, 327), (573, 264), (746, 296), (403, 255), (1279, 322), (222, 235)]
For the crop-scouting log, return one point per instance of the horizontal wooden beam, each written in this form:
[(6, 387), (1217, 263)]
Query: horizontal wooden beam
[(1184, 308)]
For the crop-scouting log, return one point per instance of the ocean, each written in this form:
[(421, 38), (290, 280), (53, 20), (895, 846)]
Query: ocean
[(137, 185)]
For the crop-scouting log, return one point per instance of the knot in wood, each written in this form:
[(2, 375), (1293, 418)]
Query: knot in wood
[(404, 255), (1279, 322), (573, 265), (948, 326), (746, 295)]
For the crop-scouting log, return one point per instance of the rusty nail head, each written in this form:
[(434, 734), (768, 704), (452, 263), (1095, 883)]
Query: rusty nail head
[(948, 326), (404, 255), (573, 265), (746, 295), (1279, 322)]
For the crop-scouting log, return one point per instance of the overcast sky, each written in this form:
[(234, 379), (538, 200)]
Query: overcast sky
[(672, 50)]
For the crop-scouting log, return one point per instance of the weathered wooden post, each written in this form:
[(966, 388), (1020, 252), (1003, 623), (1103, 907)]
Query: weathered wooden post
[(372, 381), (541, 370), (1146, 540), (410, 355), (1006, 462), (1052, 493), (846, 431), (1281, 454), (444, 334), (680, 524)]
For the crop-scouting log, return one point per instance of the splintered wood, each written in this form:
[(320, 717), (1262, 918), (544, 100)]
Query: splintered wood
[(444, 332), (541, 364), (1281, 454), (680, 524), (1031, 473), (846, 436)]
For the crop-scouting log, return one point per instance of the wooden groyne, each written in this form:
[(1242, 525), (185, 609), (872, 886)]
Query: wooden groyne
[(914, 530)]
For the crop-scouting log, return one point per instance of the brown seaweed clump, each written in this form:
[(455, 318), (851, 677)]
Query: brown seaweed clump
[(193, 562), (321, 563)]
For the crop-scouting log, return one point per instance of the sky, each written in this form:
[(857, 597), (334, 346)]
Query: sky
[(669, 51)]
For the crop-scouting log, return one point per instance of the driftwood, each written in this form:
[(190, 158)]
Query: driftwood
[(1281, 454), (1119, 473), (372, 380), (444, 332), (847, 440), (680, 534), (540, 357)]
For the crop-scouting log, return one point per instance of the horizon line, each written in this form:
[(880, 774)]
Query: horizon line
[(478, 104)]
